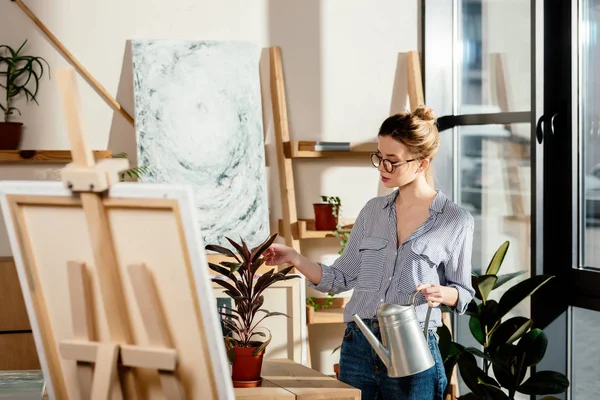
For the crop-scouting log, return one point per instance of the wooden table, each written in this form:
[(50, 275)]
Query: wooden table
[(288, 380)]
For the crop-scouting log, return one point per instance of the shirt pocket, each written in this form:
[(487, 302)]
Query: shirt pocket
[(372, 260), (422, 265)]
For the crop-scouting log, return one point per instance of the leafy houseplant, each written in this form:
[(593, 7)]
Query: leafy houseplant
[(510, 347), (327, 213), (244, 347), (133, 172), (21, 76)]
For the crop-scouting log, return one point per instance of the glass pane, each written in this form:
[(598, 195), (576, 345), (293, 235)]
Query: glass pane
[(590, 131), (586, 353), (495, 68), (495, 186)]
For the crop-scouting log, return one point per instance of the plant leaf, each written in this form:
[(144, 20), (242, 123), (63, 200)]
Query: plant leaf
[(533, 345), (476, 329), (263, 345), (494, 392), (545, 382), (472, 375), (496, 261), (509, 331), (260, 249), (519, 292), (444, 342), (502, 279), (242, 249), (485, 284), (219, 269), (221, 250), (227, 286)]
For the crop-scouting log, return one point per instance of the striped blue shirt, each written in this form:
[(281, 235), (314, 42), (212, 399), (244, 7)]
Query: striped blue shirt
[(379, 271)]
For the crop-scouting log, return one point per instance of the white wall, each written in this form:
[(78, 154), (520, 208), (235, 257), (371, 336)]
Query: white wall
[(340, 63)]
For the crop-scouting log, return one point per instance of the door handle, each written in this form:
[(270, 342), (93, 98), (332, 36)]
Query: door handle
[(539, 130), (552, 130)]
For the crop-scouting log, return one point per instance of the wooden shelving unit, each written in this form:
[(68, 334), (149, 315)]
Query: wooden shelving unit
[(45, 156), (305, 229), (303, 149)]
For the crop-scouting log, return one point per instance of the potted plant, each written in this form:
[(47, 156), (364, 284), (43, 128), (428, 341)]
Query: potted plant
[(21, 77), (238, 277), (327, 213), (509, 347), (133, 172)]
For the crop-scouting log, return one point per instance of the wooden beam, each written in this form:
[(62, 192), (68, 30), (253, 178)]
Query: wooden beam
[(45, 156)]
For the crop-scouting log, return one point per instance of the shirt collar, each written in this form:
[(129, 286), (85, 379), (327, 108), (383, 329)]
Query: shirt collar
[(438, 203)]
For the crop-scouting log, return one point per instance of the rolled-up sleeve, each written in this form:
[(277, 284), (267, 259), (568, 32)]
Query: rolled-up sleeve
[(458, 268), (343, 273)]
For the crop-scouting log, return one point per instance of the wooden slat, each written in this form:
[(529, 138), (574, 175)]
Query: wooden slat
[(45, 156), (13, 314), (415, 82), (282, 135), (267, 391), (306, 383)]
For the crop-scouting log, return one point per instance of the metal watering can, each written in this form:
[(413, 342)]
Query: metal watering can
[(404, 350)]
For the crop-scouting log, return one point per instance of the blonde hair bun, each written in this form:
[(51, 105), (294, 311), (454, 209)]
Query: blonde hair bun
[(425, 113)]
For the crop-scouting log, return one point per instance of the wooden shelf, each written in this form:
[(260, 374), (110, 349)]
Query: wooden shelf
[(303, 149), (331, 315), (45, 156), (305, 229)]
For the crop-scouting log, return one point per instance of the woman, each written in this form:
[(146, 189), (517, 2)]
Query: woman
[(413, 239)]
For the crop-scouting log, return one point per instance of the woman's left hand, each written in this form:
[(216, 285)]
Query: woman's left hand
[(433, 293)]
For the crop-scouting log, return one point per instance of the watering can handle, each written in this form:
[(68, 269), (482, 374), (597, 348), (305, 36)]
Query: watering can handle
[(426, 328)]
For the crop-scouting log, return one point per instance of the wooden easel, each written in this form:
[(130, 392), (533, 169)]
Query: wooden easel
[(105, 368)]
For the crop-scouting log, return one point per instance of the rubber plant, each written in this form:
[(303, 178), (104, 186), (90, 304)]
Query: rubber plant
[(509, 347), (20, 77), (245, 342)]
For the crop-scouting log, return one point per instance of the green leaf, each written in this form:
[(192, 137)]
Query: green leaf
[(506, 362), (545, 382), (472, 308), (509, 331), (497, 259), (502, 279), (469, 396), (263, 345), (494, 392), (472, 375), (485, 284), (533, 345), (519, 292), (477, 329), (479, 353)]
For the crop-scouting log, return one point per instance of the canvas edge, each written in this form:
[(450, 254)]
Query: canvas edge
[(8, 188), (208, 304), (184, 196)]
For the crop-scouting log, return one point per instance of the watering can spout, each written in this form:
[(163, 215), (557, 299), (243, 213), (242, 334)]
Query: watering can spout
[(382, 352)]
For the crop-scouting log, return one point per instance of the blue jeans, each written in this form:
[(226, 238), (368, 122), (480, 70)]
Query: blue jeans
[(362, 368)]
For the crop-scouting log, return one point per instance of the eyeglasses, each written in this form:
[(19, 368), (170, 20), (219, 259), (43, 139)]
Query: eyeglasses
[(388, 165)]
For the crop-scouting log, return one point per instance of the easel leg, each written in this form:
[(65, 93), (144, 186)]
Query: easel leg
[(154, 321), (106, 371)]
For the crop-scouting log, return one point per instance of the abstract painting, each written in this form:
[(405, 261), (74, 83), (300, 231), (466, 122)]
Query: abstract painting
[(198, 120)]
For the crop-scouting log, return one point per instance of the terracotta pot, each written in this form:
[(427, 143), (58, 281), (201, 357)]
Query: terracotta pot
[(324, 218), (336, 369), (246, 367), (10, 135)]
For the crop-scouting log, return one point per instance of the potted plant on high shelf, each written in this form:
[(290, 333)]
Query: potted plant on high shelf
[(508, 347), (327, 213), (21, 77), (245, 350)]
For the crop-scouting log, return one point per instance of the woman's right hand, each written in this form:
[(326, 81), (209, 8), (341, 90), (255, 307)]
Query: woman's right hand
[(278, 254)]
